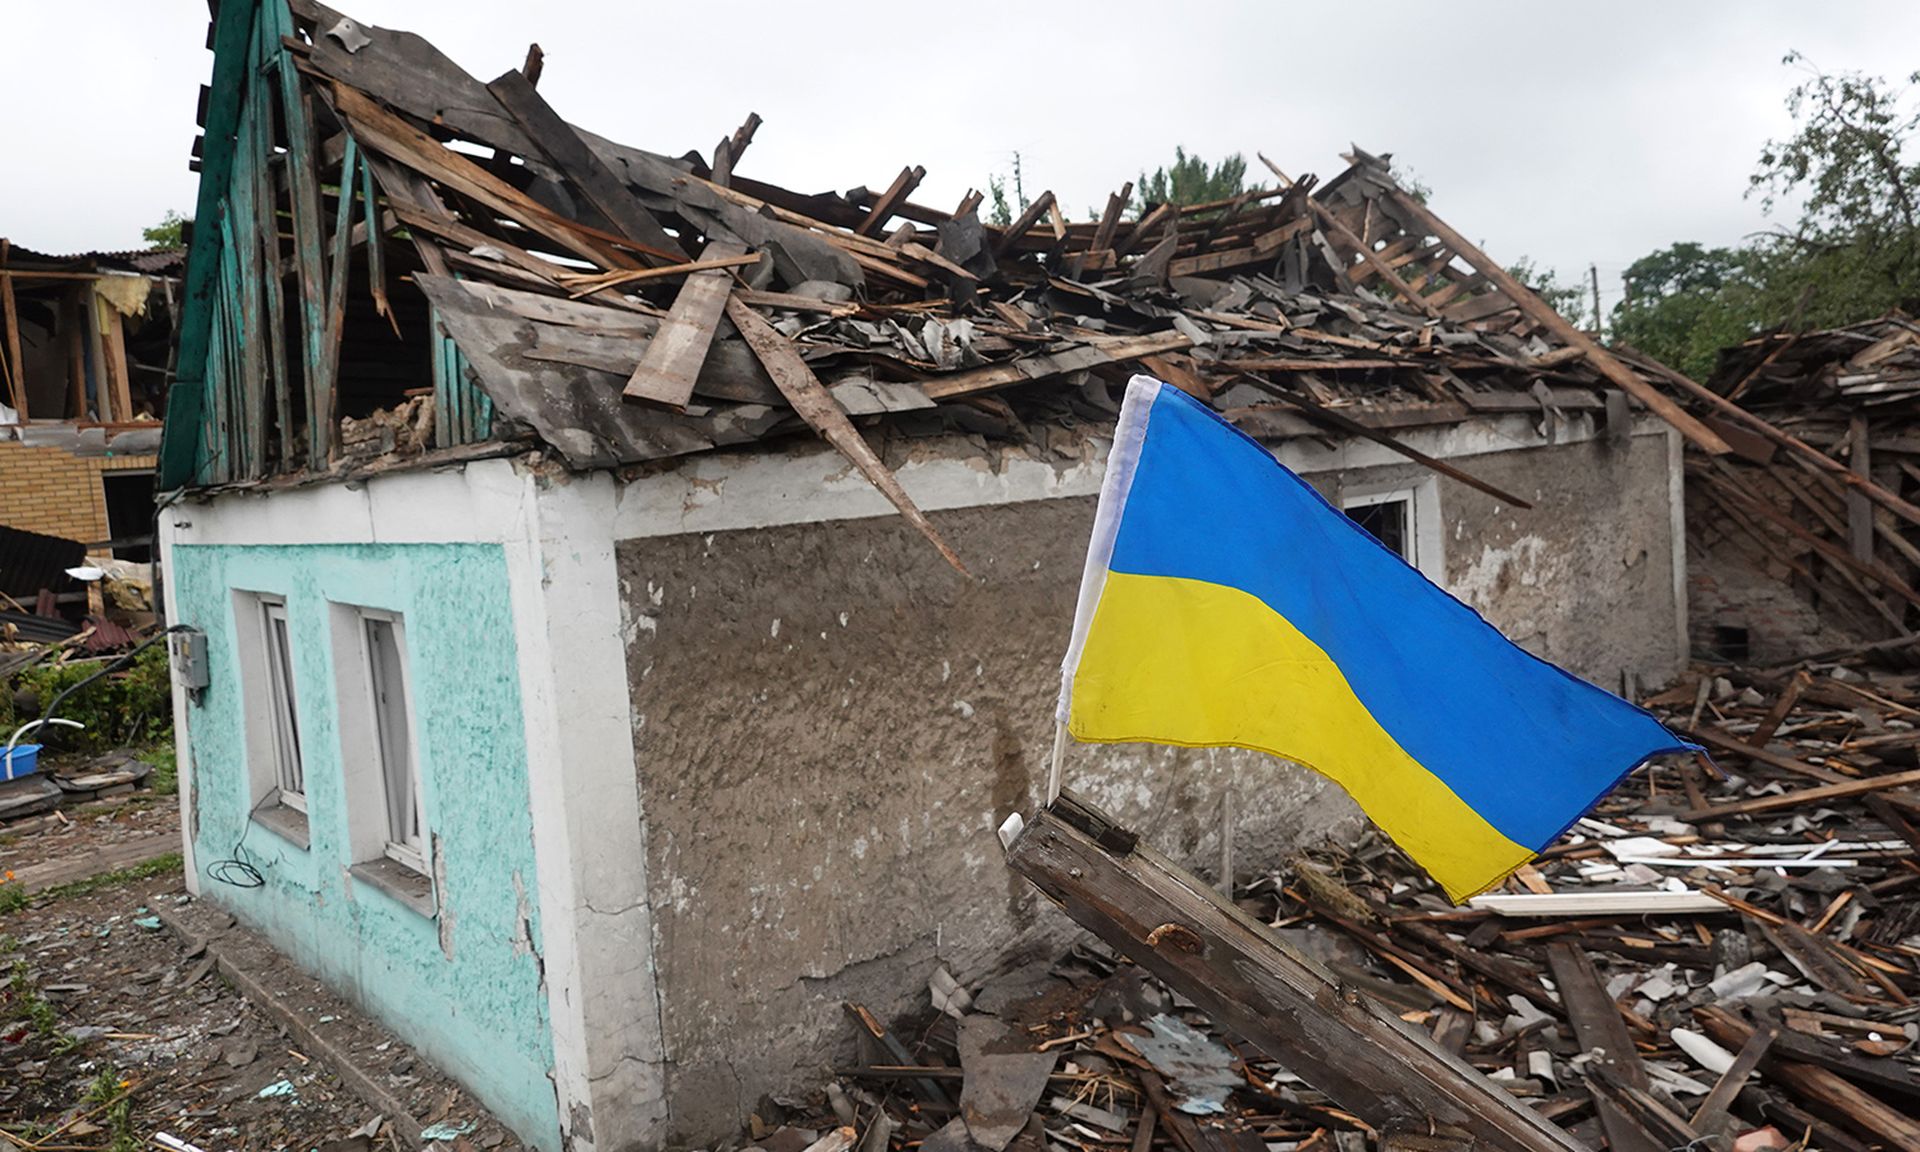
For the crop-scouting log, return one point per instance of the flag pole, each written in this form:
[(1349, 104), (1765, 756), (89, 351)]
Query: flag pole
[(1053, 769)]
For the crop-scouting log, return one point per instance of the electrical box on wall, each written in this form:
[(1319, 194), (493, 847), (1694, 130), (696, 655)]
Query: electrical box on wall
[(189, 652)]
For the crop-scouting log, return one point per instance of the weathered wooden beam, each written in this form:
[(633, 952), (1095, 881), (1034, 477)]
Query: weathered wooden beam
[(583, 168), (1543, 314), (814, 404), (1175, 925), (882, 210), (1024, 221), (665, 375), (16, 367), (1597, 1023)]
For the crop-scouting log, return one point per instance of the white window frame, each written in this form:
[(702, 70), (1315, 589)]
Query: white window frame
[(410, 848), (1423, 534), (283, 718)]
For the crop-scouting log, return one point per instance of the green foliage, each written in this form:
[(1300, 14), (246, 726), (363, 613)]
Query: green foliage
[(1001, 210), (1570, 300), (171, 232), (1685, 302), (1191, 180), (132, 705), (165, 780), (110, 1095), (24, 1003), (13, 896), (1852, 254)]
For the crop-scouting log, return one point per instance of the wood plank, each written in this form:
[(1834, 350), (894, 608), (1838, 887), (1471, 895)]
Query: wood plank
[(1802, 796), (187, 413), (309, 257), (882, 210), (1597, 1024), (1537, 309), (665, 375), (1021, 223), (1833, 468), (1343, 423), (1759, 753), (113, 340), (16, 363), (1373, 1064), (339, 275), (726, 154), (1044, 365), (73, 323), (1714, 1106), (583, 168), (823, 414), (1828, 1092), (1859, 508), (264, 232), (388, 134)]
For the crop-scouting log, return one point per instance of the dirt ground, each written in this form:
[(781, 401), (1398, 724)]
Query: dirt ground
[(112, 1030)]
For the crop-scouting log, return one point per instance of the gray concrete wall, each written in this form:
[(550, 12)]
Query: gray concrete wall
[(829, 725), (1586, 577)]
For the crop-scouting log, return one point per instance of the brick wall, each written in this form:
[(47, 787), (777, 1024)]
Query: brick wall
[(1732, 583), (52, 491)]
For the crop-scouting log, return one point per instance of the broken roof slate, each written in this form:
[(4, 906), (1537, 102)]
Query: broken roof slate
[(554, 257)]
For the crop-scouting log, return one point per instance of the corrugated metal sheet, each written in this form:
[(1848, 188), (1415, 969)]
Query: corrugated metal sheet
[(148, 261), (30, 561)]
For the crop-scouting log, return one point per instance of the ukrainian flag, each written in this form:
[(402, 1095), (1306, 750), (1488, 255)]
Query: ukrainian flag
[(1226, 603)]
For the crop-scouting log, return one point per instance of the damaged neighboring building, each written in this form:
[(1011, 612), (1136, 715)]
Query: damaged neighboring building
[(84, 360), (633, 591), (1807, 537)]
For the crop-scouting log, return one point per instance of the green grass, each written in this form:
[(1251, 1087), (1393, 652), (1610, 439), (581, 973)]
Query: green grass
[(24, 1002), (111, 1091), (165, 780), (13, 897)]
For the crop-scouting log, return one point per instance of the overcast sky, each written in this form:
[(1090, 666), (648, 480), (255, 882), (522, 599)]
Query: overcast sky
[(1567, 133)]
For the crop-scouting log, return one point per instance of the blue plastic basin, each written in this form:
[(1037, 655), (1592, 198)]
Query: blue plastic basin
[(24, 758)]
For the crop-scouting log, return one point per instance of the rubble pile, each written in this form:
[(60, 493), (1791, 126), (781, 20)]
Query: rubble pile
[(1704, 962)]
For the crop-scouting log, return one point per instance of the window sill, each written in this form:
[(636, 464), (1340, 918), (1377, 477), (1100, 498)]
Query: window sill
[(398, 881), (290, 824)]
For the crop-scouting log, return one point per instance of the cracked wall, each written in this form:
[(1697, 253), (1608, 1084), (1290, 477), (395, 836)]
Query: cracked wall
[(829, 725), (464, 987)]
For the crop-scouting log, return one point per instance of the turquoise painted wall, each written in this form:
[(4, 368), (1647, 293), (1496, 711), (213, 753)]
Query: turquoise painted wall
[(480, 1013)]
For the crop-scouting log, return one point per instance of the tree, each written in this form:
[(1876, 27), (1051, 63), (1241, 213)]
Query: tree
[(1191, 180), (1685, 302), (1570, 300), (1852, 253), (1848, 157), (1001, 211), (169, 233)]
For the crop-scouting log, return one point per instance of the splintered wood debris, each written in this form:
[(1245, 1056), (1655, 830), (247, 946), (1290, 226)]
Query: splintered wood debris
[(1825, 429), (1702, 962), (622, 306)]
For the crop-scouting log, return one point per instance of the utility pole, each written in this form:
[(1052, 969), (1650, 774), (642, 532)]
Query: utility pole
[(1593, 277)]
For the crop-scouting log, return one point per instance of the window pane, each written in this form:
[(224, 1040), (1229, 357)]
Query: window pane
[(286, 725), (390, 721), (1387, 521)]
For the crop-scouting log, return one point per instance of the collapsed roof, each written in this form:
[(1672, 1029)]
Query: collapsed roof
[(84, 338), (623, 306)]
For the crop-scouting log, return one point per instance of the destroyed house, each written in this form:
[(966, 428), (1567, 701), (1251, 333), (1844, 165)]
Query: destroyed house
[(84, 365), (1806, 538), (634, 592)]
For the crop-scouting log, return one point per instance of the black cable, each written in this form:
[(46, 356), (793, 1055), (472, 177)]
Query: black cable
[(238, 870)]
